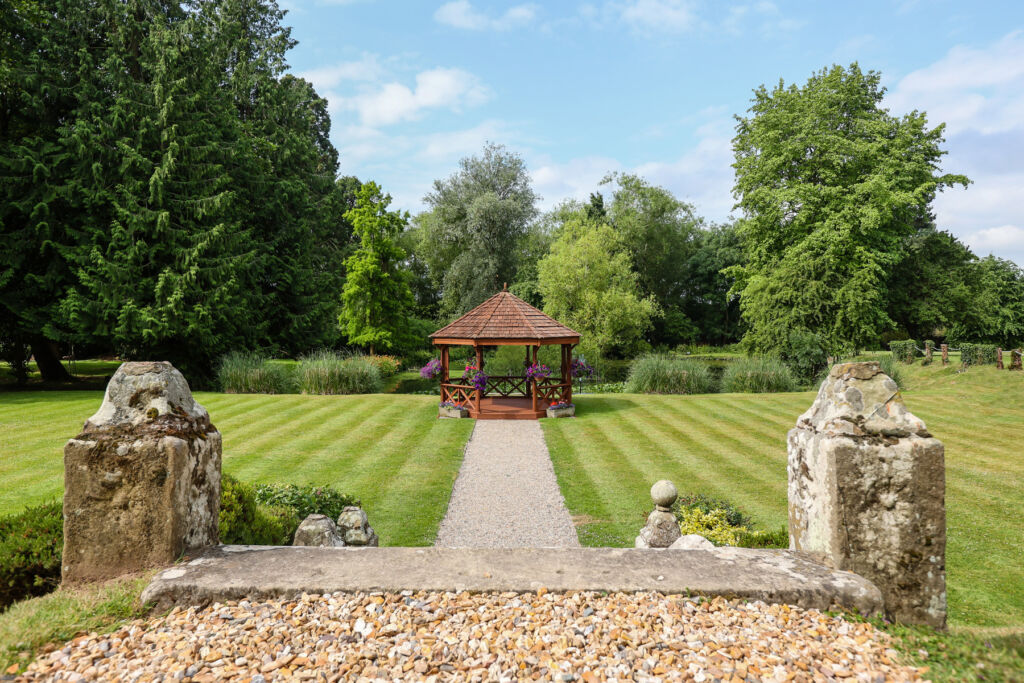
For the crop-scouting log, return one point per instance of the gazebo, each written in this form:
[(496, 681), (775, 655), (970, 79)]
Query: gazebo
[(507, 320)]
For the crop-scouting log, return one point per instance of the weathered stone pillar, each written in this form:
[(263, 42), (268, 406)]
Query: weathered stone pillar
[(945, 354), (867, 491), (142, 480), (1015, 359), (999, 359)]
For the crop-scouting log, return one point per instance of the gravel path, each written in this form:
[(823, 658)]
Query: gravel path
[(506, 494), (433, 636)]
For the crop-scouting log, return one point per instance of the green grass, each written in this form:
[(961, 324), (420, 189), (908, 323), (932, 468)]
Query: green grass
[(31, 624), (87, 373), (388, 450), (733, 446)]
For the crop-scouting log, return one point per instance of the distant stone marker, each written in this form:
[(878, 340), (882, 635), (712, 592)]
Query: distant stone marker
[(142, 480), (867, 491)]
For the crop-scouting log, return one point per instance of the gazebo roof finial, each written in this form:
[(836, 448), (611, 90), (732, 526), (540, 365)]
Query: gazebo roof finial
[(504, 287)]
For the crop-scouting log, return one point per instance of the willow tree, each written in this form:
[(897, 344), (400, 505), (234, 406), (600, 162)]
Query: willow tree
[(830, 184)]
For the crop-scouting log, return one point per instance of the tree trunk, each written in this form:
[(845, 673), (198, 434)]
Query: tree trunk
[(50, 367)]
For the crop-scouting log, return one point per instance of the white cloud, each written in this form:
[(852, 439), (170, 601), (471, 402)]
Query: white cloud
[(440, 88), (450, 146), (666, 16), (461, 14), (575, 179), (367, 68), (979, 93)]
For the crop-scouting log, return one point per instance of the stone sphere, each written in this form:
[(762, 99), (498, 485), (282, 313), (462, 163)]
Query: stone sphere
[(664, 493)]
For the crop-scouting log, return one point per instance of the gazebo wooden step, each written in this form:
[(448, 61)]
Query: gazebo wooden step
[(506, 409)]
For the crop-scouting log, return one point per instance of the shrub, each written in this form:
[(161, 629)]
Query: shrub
[(31, 544), (241, 372), (804, 354), (905, 350), (243, 521), (304, 500), (711, 525), (326, 372), (977, 354), (723, 523), (386, 365), (758, 376), (733, 515), (660, 374)]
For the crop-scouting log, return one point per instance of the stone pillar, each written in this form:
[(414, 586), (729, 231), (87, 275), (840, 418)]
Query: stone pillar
[(662, 529), (1015, 359), (867, 491), (999, 359), (945, 354), (929, 346), (142, 480)]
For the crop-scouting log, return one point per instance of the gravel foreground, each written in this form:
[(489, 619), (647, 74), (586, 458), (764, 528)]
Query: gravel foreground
[(506, 494), (583, 636)]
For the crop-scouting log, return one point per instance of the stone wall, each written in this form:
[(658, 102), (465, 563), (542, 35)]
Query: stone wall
[(142, 480), (867, 491)]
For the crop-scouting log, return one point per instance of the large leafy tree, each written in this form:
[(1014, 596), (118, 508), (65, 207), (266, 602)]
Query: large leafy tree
[(588, 283), (996, 311), (709, 302), (376, 300), (473, 241), (661, 233), (830, 185)]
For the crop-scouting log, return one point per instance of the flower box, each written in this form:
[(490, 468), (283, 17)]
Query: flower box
[(452, 411), (562, 410)]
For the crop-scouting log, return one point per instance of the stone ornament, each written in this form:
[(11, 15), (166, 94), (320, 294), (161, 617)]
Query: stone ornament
[(355, 528), (142, 479), (318, 531), (692, 542), (661, 529), (867, 491)]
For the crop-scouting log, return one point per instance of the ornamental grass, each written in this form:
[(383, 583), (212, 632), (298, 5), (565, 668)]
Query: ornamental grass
[(661, 374)]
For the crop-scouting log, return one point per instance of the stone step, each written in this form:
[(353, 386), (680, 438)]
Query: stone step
[(777, 576)]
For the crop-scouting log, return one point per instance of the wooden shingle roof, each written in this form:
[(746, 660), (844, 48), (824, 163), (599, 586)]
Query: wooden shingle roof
[(505, 319)]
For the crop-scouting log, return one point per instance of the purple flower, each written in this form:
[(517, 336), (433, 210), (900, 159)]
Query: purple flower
[(431, 369), (538, 371), (580, 368)]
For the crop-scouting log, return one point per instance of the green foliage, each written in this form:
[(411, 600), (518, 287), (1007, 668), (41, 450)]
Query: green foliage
[(995, 311), (904, 350), (662, 374), (588, 284), (804, 353), (387, 366), (376, 299), (709, 302), (977, 354), (473, 235), (723, 523), (758, 375), (241, 372), (660, 233), (707, 504), (328, 372), (244, 521), (163, 177), (31, 544), (830, 185), (304, 500)]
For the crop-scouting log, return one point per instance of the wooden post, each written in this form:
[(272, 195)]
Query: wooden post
[(945, 354), (480, 367), (444, 365), (999, 359), (567, 372)]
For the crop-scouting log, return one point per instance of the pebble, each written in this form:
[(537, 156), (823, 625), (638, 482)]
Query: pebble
[(575, 636)]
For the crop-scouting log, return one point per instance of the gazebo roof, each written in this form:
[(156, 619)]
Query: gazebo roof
[(505, 319)]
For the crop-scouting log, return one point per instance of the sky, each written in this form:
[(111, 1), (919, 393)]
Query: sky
[(582, 89)]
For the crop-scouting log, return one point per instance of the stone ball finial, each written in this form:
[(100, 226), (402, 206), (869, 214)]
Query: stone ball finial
[(664, 494)]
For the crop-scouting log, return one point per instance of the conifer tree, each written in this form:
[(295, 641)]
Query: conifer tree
[(376, 300)]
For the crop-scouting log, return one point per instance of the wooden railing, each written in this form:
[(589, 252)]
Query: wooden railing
[(507, 385), (462, 395), (551, 391)]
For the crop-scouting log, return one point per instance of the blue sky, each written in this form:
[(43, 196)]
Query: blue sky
[(651, 86)]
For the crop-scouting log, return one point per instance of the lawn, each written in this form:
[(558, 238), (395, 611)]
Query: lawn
[(733, 446), (388, 450)]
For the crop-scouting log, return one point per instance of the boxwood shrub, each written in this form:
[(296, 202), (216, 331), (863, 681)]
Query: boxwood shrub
[(31, 544)]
